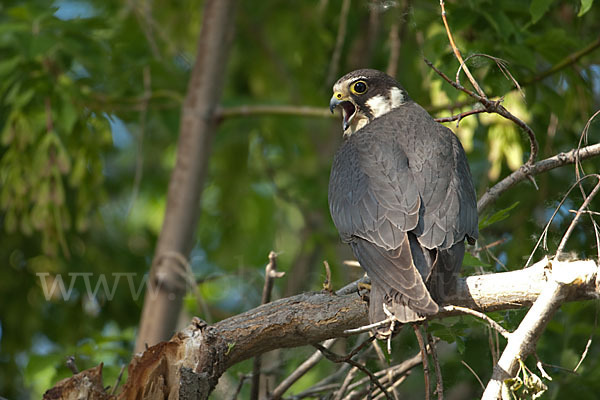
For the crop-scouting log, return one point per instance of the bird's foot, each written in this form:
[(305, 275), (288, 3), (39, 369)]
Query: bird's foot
[(387, 335), (363, 290)]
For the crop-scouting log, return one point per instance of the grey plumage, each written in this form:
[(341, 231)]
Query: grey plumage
[(401, 194)]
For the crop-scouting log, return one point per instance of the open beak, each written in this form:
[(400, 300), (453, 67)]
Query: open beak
[(348, 108)]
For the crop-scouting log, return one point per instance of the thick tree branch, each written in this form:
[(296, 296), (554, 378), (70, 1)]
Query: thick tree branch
[(167, 283), (522, 173), (564, 278), (195, 358)]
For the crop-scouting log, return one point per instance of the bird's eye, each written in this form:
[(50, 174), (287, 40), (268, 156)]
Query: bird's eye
[(359, 87)]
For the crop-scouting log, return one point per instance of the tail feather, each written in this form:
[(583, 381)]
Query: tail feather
[(446, 269), (395, 282)]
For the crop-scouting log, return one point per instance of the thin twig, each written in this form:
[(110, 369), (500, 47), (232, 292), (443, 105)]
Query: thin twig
[(392, 373), (580, 171), (474, 374), (378, 352), (481, 315), (459, 117), (326, 382), (270, 275), (300, 371), (565, 62), (589, 342), (439, 386), (540, 366), (240, 384), (575, 220), (113, 391), (393, 386), (338, 359), (286, 110), (423, 348), (369, 327), (491, 255), (544, 235), (347, 380), (457, 53), (492, 345), (495, 107), (500, 63), (360, 347)]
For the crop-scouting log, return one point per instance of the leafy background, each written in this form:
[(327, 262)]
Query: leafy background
[(90, 96)]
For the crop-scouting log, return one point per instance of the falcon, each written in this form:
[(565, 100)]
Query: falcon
[(401, 195)]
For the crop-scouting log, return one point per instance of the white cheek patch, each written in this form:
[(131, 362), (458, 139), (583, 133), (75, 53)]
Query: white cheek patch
[(397, 97), (379, 105)]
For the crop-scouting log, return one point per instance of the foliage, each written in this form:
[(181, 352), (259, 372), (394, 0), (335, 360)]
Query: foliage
[(90, 95)]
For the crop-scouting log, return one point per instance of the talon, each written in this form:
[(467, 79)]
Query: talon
[(363, 290)]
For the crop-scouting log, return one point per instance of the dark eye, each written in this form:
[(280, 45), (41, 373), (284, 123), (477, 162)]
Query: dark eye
[(359, 87)]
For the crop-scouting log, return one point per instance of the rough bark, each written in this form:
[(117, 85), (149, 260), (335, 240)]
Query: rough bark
[(190, 364), (167, 283)]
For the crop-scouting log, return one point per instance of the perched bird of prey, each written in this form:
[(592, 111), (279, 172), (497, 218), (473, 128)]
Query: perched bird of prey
[(401, 194)]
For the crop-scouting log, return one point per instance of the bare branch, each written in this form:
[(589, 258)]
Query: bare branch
[(300, 371), (544, 235), (522, 173), (491, 106), (424, 357), (439, 386), (337, 359), (474, 374), (258, 110), (460, 116), (589, 342), (160, 311), (270, 275), (522, 342), (457, 53), (204, 352), (499, 328), (575, 220), (369, 327)]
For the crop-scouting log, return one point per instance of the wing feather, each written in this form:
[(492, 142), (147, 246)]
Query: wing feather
[(401, 194)]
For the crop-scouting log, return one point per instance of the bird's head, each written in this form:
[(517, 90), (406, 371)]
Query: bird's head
[(364, 95)]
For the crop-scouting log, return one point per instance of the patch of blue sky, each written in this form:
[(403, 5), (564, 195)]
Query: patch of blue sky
[(122, 138), (71, 9)]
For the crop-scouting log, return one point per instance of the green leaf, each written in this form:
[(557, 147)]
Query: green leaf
[(585, 7), (538, 8), (497, 216), (68, 116), (460, 345), (470, 261), (9, 65)]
